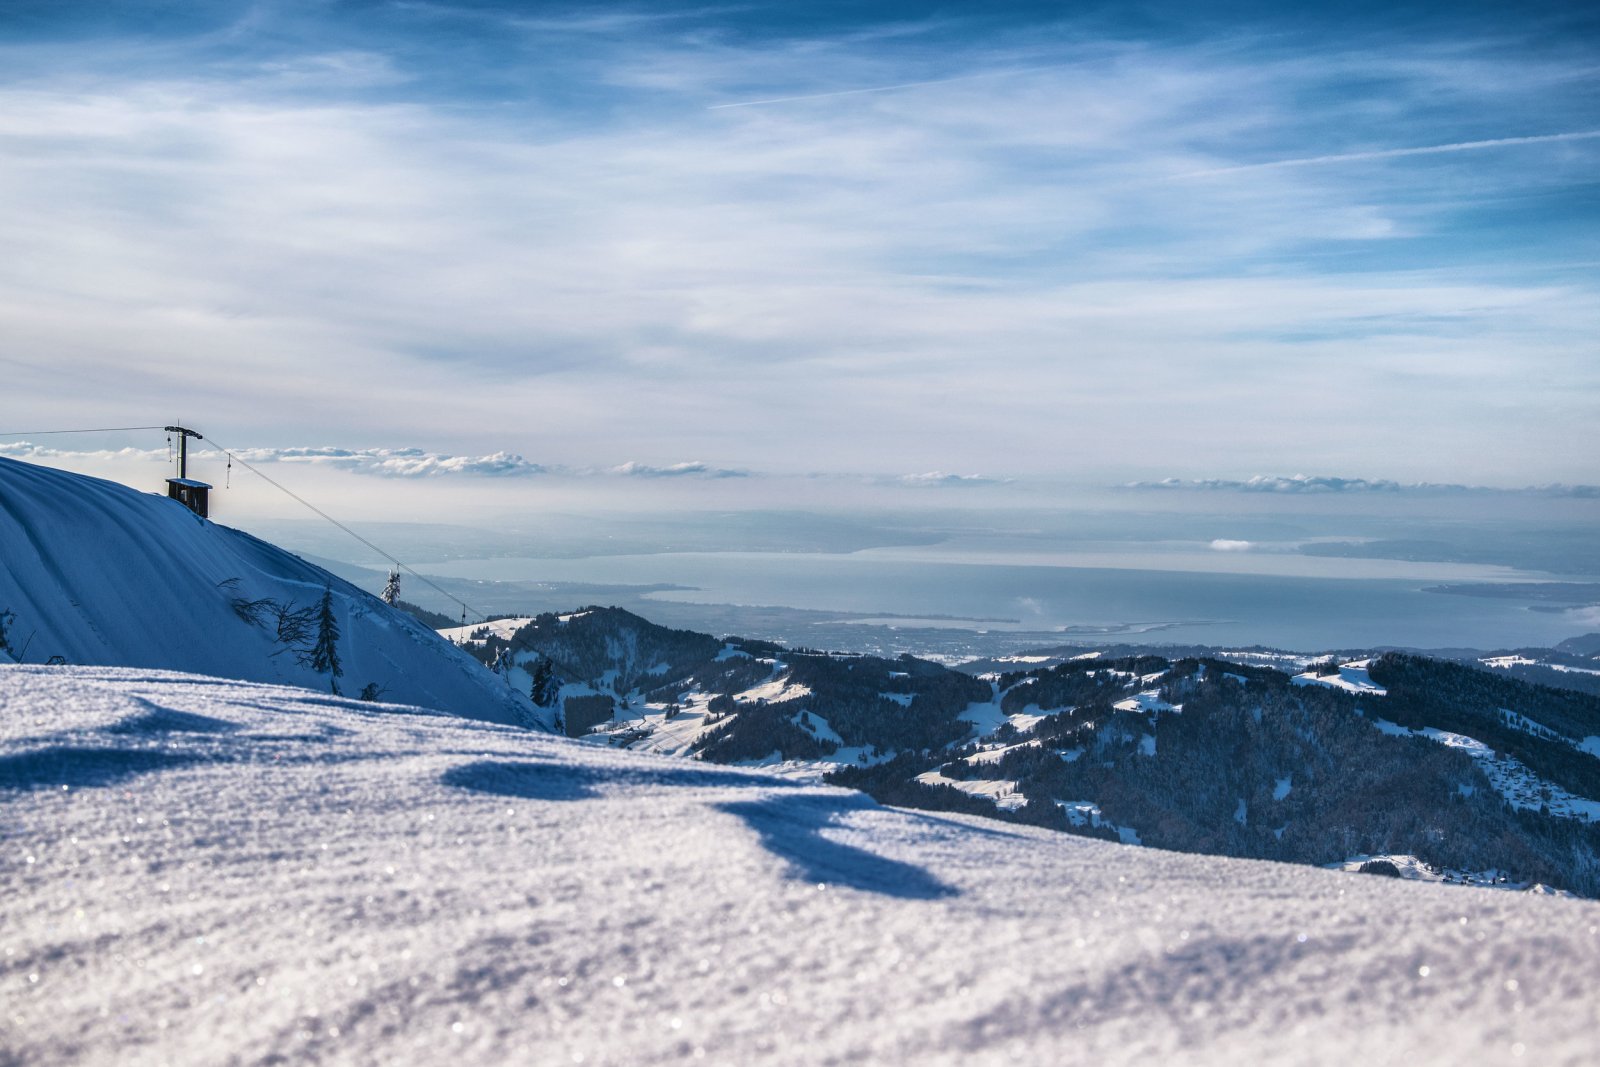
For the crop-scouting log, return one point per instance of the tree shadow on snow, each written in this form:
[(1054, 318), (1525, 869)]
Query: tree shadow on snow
[(165, 720), (1222, 981), (561, 781), (529, 781), (790, 828), (82, 768)]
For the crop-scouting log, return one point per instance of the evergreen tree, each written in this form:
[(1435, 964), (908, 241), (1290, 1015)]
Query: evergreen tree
[(544, 688), (503, 663), (391, 589), (324, 655)]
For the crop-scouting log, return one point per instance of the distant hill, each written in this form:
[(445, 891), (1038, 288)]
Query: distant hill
[(1588, 646), (97, 573), (1433, 768), (1572, 664)]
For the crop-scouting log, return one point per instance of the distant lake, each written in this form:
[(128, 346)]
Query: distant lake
[(1152, 597)]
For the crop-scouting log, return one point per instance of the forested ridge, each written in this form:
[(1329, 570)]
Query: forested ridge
[(1197, 753)]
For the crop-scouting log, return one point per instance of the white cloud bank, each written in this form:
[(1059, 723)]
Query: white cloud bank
[(413, 463), (1307, 484), (692, 469), (399, 462), (941, 480), (381, 462)]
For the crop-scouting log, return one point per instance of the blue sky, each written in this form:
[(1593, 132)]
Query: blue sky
[(1054, 241)]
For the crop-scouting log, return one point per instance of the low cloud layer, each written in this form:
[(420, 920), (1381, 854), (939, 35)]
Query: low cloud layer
[(693, 469), (1306, 484), (26, 450), (941, 480), (1224, 544), (399, 462), (380, 462)]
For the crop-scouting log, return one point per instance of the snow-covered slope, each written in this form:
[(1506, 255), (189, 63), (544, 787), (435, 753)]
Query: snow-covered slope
[(98, 573), (203, 871)]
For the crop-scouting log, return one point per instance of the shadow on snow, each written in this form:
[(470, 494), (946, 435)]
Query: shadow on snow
[(82, 768), (789, 827), (560, 781)]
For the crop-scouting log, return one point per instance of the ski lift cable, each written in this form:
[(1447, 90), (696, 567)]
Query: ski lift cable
[(97, 429), (465, 607), (232, 458)]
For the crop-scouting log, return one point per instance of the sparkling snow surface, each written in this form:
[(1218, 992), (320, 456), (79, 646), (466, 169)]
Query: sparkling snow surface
[(202, 871)]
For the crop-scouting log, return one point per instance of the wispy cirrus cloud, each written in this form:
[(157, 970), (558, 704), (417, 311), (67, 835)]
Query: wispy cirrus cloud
[(862, 90), (1398, 153), (548, 234)]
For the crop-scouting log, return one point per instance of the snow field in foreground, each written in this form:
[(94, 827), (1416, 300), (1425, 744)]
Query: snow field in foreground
[(195, 870)]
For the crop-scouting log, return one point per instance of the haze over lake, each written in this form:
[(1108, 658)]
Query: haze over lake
[(1297, 575), (1080, 602)]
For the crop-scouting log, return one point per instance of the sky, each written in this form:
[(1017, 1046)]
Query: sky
[(924, 246)]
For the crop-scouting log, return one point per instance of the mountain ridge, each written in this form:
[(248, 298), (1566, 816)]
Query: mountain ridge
[(1440, 764)]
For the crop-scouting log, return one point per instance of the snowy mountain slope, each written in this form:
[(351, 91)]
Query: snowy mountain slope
[(98, 573), (203, 871)]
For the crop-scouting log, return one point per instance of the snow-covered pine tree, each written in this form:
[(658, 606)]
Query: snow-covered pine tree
[(391, 589), (324, 655)]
